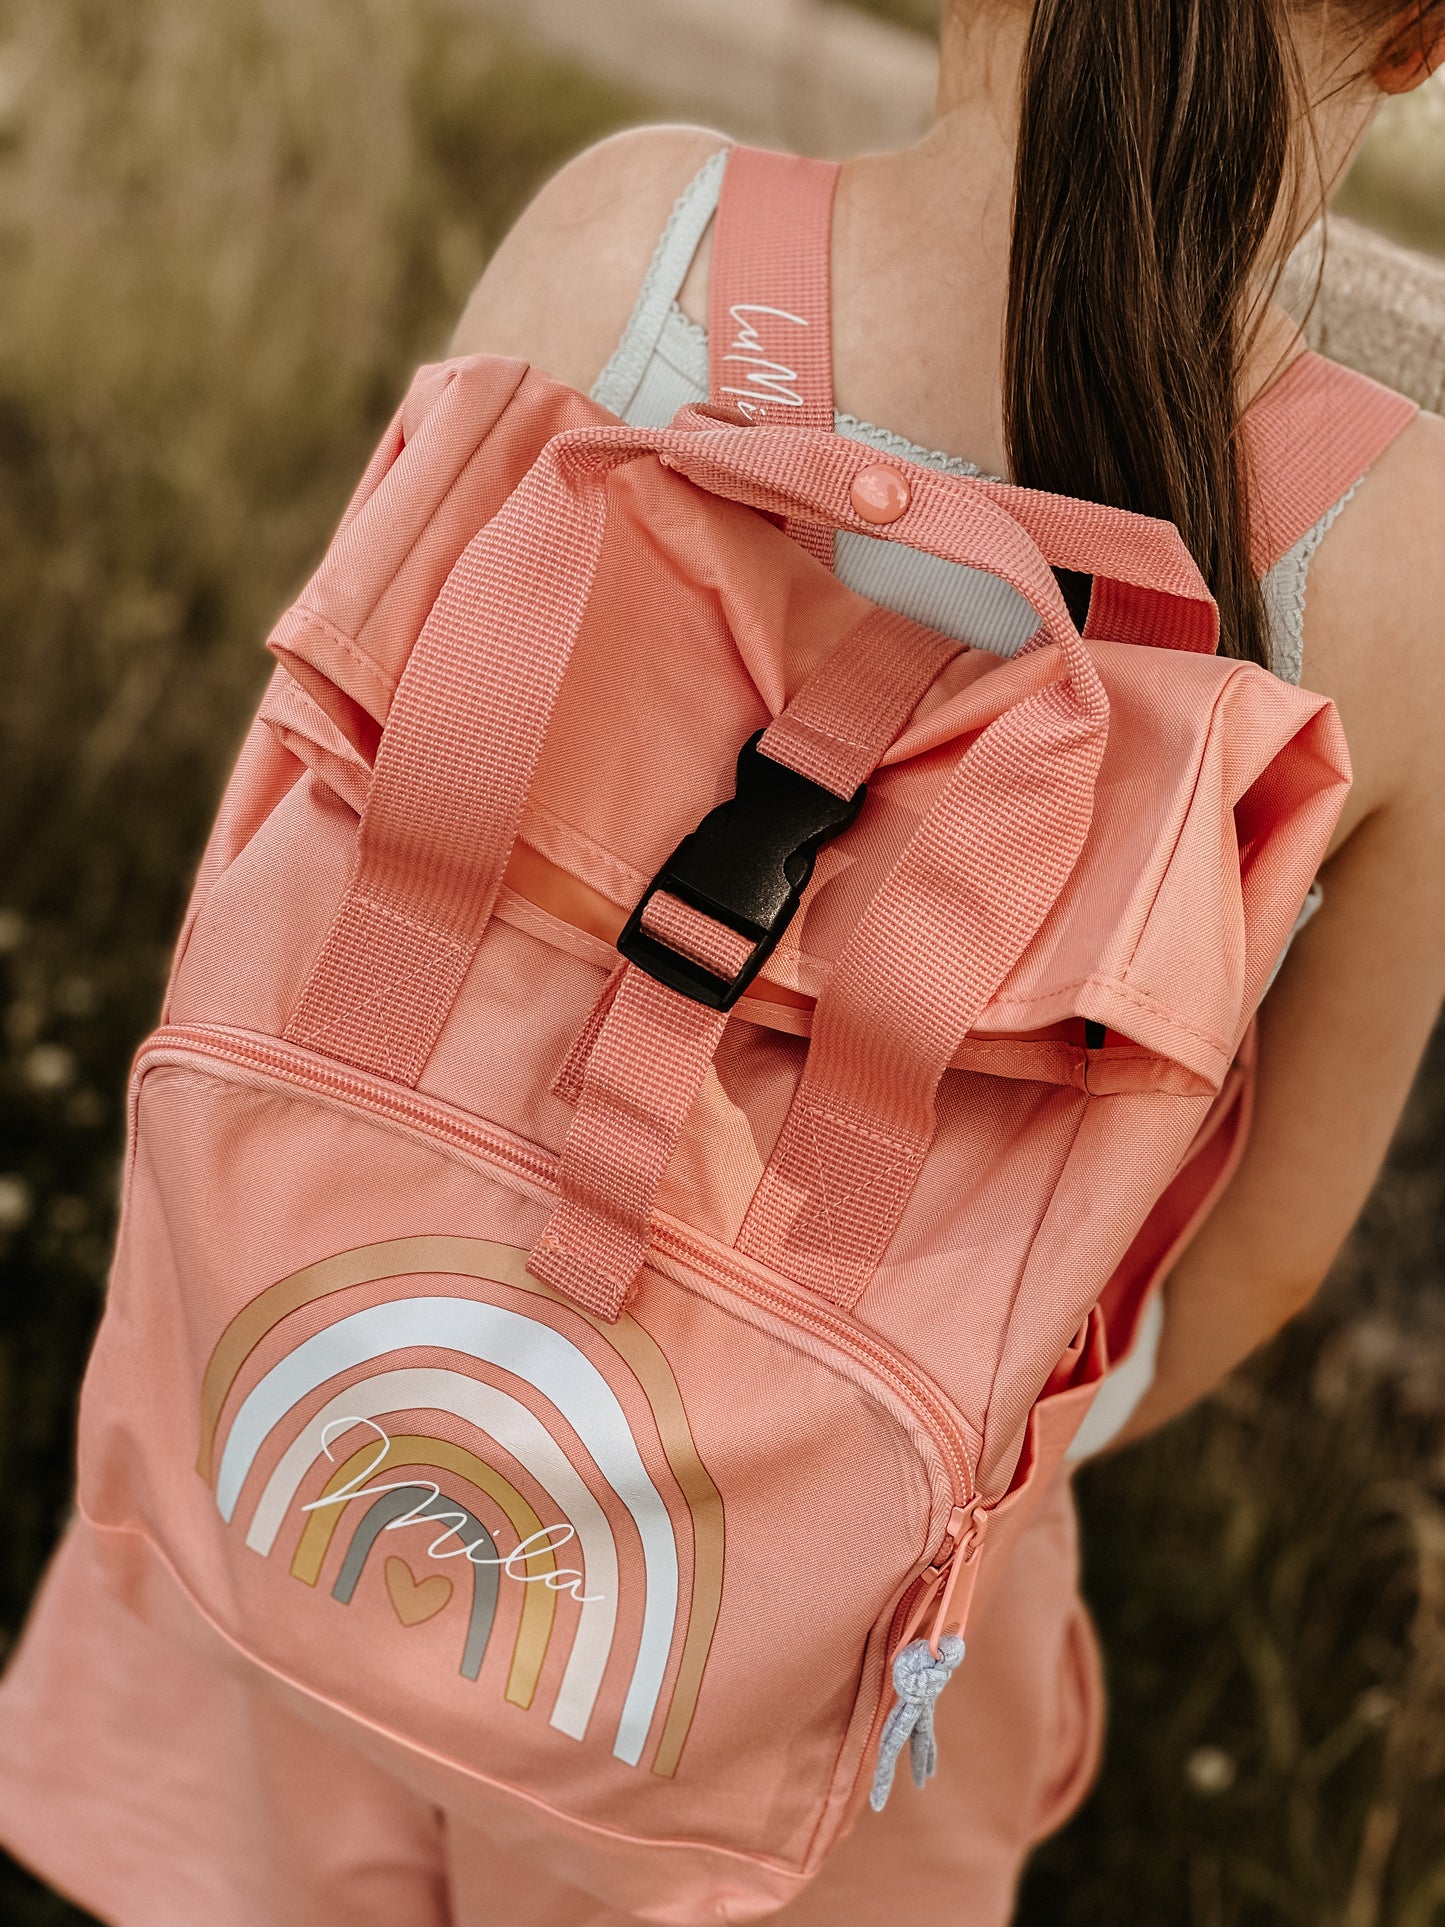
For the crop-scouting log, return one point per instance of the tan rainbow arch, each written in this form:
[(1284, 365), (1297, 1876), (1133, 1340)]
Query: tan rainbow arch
[(539, 1602), (504, 1264)]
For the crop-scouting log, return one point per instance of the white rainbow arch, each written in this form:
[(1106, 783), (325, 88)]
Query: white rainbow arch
[(546, 1360)]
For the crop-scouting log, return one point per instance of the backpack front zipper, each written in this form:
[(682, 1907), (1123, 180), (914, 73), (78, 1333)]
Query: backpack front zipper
[(939, 1590)]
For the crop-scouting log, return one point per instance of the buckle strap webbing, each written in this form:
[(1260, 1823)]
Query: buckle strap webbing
[(642, 1077), (654, 1046)]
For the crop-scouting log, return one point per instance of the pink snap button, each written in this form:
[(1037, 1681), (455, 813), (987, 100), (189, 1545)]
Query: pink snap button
[(879, 493)]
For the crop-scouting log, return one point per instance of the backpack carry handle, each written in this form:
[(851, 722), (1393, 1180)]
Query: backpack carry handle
[(962, 903), (465, 729), (481, 683), (1159, 595)]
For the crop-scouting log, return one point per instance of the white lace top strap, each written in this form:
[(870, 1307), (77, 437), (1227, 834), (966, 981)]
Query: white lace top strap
[(634, 368), (1283, 589)]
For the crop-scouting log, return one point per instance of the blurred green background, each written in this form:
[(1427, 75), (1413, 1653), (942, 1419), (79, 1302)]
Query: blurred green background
[(226, 236)]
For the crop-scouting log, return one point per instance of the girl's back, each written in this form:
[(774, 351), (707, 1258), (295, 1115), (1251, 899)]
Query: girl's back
[(920, 264)]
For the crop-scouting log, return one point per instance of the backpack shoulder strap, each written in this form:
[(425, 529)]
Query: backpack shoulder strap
[(1308, 440), (769, 331)]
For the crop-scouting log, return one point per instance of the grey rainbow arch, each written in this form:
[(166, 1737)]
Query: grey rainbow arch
[(424, 1503)]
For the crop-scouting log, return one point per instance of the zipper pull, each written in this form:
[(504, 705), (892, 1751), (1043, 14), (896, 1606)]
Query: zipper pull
[(923, 1667), (959, 1573)]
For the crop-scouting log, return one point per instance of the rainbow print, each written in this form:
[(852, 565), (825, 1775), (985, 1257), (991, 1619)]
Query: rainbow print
[(569, 1375)]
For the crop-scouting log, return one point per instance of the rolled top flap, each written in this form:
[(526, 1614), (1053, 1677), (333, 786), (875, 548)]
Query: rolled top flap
[(1218, 792), (469, 430), (1217, 795), (1218, 788)]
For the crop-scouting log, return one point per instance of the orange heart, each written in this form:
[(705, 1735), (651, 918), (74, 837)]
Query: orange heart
[(414, 1600)]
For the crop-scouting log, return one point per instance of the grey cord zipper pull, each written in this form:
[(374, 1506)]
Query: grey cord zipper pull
[(919, 1676)]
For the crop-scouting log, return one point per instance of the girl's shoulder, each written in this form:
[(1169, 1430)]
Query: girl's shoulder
[(1374, 638), (560, 288)]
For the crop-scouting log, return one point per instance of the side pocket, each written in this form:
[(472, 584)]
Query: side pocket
[(1132, 1303), (1038, 1475)]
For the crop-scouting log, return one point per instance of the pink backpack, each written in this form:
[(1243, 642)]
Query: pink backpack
[(600, 1383)]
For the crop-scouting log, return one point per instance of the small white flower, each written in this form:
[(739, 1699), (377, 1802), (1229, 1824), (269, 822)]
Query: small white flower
[(15, 1201), (50, 1067), (1210, 1770)]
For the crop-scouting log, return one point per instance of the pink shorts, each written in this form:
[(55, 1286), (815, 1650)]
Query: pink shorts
[(150, 1775)]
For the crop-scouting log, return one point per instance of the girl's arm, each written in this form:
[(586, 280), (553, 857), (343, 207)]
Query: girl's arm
[(1343, 1029), (559, 289)]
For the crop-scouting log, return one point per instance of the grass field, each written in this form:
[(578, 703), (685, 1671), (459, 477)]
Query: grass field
[(226, 235)]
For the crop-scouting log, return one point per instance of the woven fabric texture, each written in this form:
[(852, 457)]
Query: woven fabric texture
[(770, 324), (635, 1087)]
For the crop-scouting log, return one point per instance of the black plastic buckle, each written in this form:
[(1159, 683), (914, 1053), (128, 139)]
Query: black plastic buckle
[(746, 865)]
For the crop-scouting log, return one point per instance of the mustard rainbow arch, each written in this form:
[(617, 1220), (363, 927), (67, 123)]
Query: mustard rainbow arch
[(467, 1325)]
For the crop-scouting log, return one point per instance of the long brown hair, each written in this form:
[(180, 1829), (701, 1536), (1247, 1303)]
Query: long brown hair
[(1156, 139)]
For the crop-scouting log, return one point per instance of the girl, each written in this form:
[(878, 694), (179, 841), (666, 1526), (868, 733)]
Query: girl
[(1067, 282), (1109, 191)]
